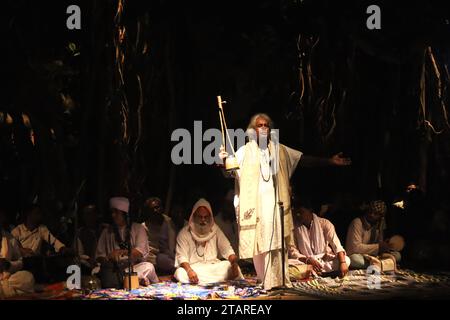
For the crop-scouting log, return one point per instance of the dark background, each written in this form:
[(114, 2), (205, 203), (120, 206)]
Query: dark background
[(113, 138)]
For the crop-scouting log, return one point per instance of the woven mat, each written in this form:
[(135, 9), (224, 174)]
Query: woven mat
[(358, 285)]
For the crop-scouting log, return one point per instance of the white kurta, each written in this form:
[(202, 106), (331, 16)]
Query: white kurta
[(32, 239), (107, 243), (306, 240), (13, 282), (205, 261)]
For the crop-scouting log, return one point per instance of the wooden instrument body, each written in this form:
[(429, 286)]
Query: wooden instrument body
[(231, 163)]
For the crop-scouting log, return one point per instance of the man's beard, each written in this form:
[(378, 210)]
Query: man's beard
[(263, 139), (202, 230)]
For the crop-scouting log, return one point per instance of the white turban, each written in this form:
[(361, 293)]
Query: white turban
[(119, 203)]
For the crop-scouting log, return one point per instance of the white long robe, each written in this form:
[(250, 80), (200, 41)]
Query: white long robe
[(205, 261), (267, 253)]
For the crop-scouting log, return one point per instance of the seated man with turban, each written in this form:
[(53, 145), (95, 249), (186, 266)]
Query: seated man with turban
[(365, 237), (200, 245), (112, 248)]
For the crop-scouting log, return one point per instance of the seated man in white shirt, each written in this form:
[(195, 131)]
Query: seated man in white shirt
[(365, 239), (200, 245), (13, 281), (117, 241), (316, 243), (32, 234)]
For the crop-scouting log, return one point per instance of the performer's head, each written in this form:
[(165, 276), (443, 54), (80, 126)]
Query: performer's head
[(153, 210), (33, 216), (89, 215), (262, 124), (119, 207), (374, 211), (201, 221), (303, 210)]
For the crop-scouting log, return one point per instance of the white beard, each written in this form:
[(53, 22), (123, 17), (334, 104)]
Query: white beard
[(202, 230), (263, 141)]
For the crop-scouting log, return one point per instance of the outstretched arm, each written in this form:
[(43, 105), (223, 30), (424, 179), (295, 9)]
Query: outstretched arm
[(336, 160)]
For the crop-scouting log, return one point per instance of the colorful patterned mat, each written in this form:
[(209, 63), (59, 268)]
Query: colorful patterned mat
[(359, 285), (176, 291)]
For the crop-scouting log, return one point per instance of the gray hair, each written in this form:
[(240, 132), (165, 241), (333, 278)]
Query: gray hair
[(252, 123)]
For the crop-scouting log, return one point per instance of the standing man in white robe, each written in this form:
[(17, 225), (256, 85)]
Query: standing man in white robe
[(112, 252), (200, 244), (263, 164)]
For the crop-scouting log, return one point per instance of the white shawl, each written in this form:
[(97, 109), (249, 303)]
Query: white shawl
[(202, 239)]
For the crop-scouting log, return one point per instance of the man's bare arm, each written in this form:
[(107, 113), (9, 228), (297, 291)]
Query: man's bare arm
[(310, 161), (336, 160)]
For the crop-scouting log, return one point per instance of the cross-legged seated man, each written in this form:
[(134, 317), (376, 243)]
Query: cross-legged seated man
[(316, 243), (365, 241), (112, 248), (200, 245)]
